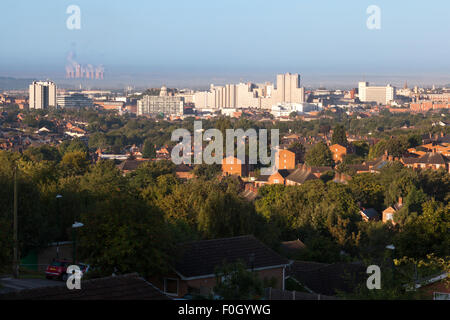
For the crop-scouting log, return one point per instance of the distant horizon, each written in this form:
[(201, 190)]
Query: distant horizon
[(195, 43), (197, 81)]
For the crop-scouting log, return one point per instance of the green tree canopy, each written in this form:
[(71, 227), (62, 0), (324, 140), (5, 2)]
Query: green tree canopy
[(339, 136), (319, 155), (148, 150)]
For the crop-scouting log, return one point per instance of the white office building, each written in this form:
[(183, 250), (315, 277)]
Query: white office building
[(162, 104), (381, 95), (76, 100), (285, 109)]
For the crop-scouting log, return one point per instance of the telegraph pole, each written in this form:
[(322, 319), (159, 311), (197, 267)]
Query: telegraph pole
[(16, 242)]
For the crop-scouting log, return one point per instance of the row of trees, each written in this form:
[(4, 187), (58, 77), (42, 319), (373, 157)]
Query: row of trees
[(133, 222), (111, 131)]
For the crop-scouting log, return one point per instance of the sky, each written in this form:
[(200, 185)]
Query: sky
[(196, 42)]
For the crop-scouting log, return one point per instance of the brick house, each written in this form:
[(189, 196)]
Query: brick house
[(279, 177), (234, 166), (287, 159), (300, 176), (128, 166), (431, 160), (184, 172), (339, 152), (389, 213), (436, 288), (369, 214), (195, 269)]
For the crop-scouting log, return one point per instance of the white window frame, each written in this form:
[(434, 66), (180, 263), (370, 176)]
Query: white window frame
[(446, 295), (165, 286)]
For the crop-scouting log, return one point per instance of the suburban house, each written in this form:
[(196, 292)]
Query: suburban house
[(319, 171), (163, 153), (234, 166), (128, 166), (121, 287), (339, 152), (184, 172), (250, 192), (431, 160), (287, 159), (289, 248), (388, 214), (300, 176), (369, 214), (280, 295), (289, 139), (195, 269), (359, 168), (327, 279), (435, 288), (342, 178), (279, 177), (376, 165)]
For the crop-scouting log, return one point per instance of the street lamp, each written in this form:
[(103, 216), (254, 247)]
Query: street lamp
[(391, 247), (75, 226), (59, 221)]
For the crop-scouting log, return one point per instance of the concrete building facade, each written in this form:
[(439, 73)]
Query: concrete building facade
[(249, 95), (381, 95), (76, 100), (162, 104), (42, 95)]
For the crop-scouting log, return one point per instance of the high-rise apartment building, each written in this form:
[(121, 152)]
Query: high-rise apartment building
[(162, 104), (42, 95), (288, 89), (249, 95), (381, 95)]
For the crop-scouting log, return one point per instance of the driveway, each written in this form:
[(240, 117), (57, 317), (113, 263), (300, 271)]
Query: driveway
[(11, 284)]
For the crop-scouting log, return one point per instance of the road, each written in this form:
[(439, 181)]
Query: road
[(10, 284)]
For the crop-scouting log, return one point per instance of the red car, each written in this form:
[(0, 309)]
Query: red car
[(57, 270)]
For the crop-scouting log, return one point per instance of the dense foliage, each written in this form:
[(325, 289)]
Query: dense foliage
[(133, 222)]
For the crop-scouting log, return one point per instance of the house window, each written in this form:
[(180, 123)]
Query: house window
[(441, 296), (171, 286), (275, 180), (389, 216)]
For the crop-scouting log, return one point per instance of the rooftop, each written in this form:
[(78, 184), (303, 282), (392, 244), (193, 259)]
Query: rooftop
[(201, 258)]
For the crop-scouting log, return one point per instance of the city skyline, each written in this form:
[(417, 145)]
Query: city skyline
[(183, 45)]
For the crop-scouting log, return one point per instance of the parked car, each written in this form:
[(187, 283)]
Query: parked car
[(57, 270)]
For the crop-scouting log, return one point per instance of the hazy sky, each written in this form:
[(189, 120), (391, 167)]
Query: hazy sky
[(210, 40)]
